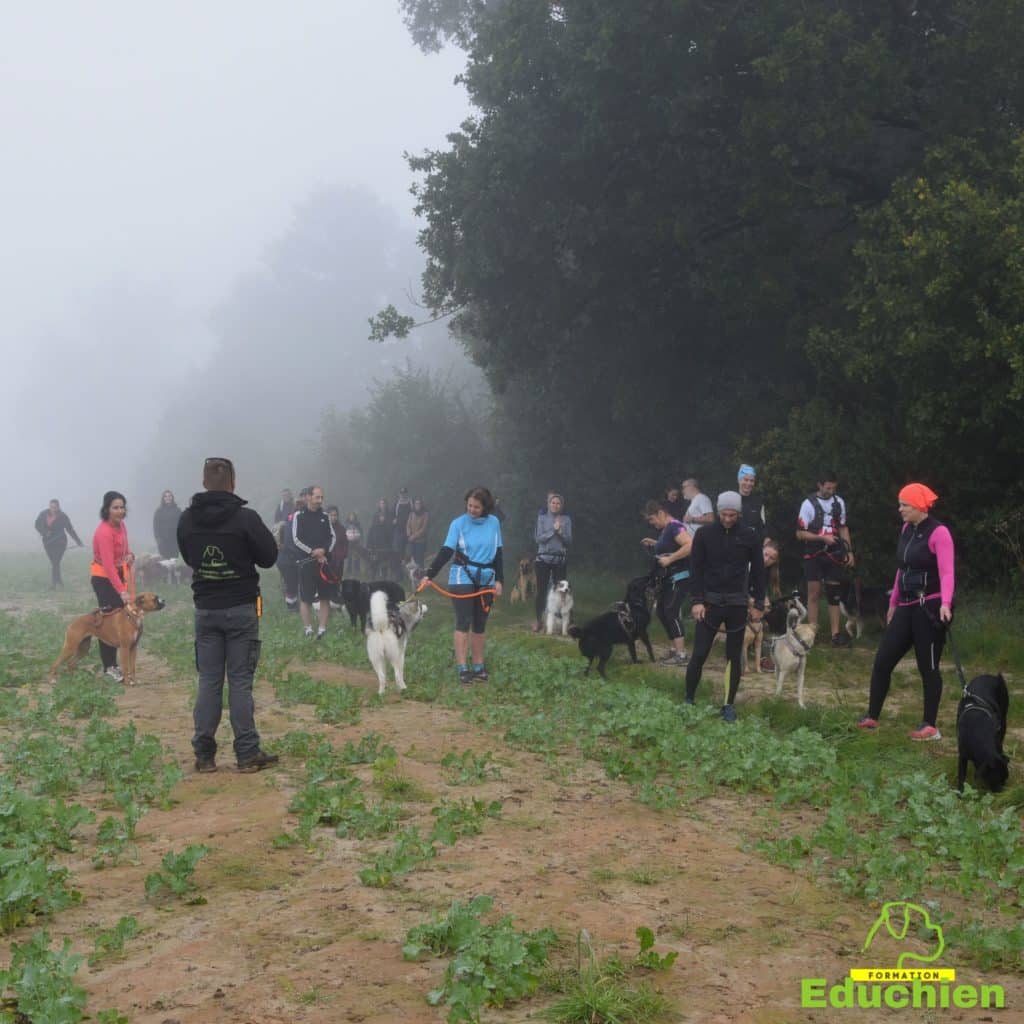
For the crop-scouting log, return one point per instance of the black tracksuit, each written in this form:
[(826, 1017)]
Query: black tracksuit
[(726, 566)]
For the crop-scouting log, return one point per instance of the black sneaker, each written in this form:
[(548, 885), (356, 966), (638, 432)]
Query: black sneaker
[(206, 764), (841, 640), (481, 673), (466, 676), (257, 762)]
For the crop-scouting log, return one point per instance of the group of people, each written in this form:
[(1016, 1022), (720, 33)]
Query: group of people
[(728, 566), (719, 559), (397, 531)]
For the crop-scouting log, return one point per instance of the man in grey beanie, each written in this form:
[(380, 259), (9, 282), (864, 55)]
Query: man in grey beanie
[(726, 567)]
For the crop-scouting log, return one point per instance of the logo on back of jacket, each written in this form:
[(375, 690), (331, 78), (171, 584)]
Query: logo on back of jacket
[(214, 566)]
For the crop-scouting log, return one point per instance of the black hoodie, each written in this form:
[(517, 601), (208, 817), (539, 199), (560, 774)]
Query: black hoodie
[(223, 542)]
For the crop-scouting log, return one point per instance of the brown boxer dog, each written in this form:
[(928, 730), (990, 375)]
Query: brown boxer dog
[(121, 629)]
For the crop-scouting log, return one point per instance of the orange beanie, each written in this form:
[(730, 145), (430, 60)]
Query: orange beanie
[(919, 495)]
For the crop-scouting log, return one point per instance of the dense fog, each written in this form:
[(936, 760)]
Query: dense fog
[(202, 206)]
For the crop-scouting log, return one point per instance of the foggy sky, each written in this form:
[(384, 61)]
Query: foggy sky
[(152, 152)]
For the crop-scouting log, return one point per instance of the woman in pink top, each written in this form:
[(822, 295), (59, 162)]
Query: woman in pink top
[(110, 556), (920, 607)]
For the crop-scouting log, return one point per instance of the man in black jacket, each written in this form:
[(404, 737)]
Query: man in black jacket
[(726, 567), (314, 538), (223, 542)]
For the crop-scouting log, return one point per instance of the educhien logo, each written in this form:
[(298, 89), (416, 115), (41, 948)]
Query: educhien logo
[(915, 981)]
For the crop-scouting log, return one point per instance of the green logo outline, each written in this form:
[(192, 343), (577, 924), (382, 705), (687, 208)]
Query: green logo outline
[(884, 918)]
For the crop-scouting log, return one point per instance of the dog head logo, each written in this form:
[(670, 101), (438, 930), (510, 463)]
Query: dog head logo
[(897, 919)]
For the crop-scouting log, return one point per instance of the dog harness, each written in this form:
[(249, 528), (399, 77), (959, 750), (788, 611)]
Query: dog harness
[(974, 702), (795, 644)]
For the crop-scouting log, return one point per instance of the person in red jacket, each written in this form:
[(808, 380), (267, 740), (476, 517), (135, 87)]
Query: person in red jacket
[(112, 560)]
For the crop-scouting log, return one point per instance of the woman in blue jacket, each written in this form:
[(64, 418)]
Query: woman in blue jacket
[(473, 545)]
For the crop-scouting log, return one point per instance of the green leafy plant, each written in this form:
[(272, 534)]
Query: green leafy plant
[(469, 767), (369, 749), (647, 957), (492, 964), (410, 850), (176, 877), (110, 942), (42, 983), (462, 818)]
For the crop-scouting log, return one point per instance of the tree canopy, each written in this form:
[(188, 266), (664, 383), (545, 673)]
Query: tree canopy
[(681, 232)]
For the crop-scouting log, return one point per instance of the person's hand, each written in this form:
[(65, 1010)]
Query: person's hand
[(422, 585), (850, 560), (890, 613), (321, 559), (497, 589), (756, 614), (663, 561), (829, 538), (319, 553), (558, 524), (946, 613), (648, 542), (698, 611)]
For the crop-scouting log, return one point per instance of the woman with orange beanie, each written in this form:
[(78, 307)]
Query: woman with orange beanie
[(920, 606)]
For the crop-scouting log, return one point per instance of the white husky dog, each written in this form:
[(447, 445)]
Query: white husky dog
[(559, 606), (387, 633), (791, 649)]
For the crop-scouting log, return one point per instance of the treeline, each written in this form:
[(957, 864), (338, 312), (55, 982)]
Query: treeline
[(678, 234)]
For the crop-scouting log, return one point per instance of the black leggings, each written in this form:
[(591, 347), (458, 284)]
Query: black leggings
[(55, 552), (670, 603), (547, 573), (735, 619), (108, 599), (914, 626)]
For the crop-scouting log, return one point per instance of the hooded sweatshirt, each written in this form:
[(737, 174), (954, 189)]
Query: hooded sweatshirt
[(223, 542)]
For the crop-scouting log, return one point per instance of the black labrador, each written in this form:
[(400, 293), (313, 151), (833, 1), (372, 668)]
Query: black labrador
[(626, 623), (981, 729), (355, 596)]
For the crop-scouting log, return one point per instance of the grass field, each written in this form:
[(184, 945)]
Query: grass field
[(495, 852)]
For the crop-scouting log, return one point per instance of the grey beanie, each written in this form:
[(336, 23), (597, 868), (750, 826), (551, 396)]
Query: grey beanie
[(730, 500)]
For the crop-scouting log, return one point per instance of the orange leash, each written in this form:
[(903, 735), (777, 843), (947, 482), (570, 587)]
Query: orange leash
[(129, 572), (482, 593)]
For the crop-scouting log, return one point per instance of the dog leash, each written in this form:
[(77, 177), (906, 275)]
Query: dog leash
[(956, 657), (482, 593)]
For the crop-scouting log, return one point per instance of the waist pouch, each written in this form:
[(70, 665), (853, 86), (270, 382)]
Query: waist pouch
[(684, 575), (552, 558), (913, 582)]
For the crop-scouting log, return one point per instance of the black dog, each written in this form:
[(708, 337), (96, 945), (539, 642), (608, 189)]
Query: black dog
[(355, 596), (981, 729), (625, 624)]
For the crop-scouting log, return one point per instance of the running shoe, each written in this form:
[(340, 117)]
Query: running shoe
[(841, 640), (728, 713), (320, 634), (479, 672), (308, 632), (867, 722), (676, 658), (115, 673), (925, 733), (466, 676)]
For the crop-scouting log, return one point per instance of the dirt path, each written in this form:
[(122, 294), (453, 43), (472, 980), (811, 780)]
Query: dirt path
[(292, 935)]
